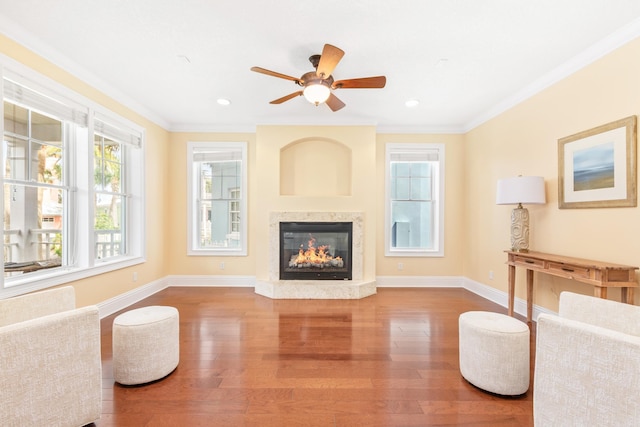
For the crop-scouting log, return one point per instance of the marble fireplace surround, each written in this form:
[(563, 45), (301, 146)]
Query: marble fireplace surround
[(316, 289)]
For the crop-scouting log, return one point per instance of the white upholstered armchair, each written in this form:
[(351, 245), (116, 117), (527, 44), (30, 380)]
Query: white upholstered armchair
[(50, 366), (587, 369)]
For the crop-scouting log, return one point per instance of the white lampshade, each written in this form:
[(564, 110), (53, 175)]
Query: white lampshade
[(521, 189), (316, 93)]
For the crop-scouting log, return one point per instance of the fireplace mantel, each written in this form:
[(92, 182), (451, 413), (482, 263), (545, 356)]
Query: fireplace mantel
[(316, 289)]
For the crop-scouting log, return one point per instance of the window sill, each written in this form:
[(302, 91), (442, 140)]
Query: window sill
[(217, 252), (58, 276), (415, 253)]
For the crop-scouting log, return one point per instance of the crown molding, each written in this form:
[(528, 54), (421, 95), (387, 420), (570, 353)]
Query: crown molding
[(42, 49), (605, 46)]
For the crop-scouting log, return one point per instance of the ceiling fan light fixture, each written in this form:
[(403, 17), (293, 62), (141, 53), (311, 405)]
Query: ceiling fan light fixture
[(412, 103), (317, 93)]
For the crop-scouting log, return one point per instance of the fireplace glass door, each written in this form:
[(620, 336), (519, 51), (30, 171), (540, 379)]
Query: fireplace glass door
[(315, 250)]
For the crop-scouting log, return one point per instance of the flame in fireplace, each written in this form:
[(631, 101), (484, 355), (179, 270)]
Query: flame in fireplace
[(314, 256)]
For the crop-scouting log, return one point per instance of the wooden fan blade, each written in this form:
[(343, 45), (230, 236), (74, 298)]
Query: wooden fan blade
[(330, 57), (274, 74), (334, 103), (363, 83), (286, 98)]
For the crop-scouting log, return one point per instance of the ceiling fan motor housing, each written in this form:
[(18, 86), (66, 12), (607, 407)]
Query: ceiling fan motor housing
[(311, 78)]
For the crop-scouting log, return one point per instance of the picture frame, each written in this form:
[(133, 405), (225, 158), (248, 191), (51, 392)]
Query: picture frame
[(597, 167)]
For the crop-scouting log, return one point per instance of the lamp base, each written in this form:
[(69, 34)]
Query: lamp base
[(520, 229)]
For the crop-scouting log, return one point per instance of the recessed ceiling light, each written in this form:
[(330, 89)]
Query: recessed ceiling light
[(442, 62), (223, 101), (184, 58), (412, 103)]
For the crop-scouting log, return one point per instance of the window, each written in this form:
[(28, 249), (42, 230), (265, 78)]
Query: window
[(108, 208), (414, 200), (217, 198), (70, 211), (38, 137), (115, 150)]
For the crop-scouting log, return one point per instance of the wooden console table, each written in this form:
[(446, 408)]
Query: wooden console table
[(601, 275)]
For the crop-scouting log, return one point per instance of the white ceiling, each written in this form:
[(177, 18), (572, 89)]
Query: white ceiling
[(465, 60)]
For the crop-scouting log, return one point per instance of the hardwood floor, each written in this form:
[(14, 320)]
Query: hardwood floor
[(245, 360)]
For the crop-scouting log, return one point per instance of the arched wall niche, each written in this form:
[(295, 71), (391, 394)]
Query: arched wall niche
[(315, 167)]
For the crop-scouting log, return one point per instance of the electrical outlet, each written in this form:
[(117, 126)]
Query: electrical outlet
[(222, 266), (490, 274), (400, 266), (135, 276)]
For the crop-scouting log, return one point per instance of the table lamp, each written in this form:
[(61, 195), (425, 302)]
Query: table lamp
[(516, 191)]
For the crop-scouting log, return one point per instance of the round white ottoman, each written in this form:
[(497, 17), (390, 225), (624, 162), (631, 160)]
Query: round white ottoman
[(146, 345), (494, 352)]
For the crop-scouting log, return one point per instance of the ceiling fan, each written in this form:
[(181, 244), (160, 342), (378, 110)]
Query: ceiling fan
[(318, 85)]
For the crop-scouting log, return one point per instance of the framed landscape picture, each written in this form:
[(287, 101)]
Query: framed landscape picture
[(597, 167)]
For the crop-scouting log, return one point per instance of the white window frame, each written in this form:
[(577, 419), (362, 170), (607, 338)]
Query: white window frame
[(81, 181), (131, 137), (193, 223), (418, 149)]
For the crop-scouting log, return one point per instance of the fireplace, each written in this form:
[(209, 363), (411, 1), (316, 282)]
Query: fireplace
[(316, 250), (355, 285)]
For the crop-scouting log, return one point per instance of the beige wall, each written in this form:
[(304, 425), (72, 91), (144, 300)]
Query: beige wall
[(358, 140), (271, 190), (102, 287), (524, 140)]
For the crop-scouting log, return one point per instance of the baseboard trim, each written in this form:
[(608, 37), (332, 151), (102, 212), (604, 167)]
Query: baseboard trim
[(214, 281), (121, 302), (419, 281), (501, 298)]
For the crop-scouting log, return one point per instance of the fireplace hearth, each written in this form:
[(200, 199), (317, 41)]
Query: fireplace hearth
[(316, 250)]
